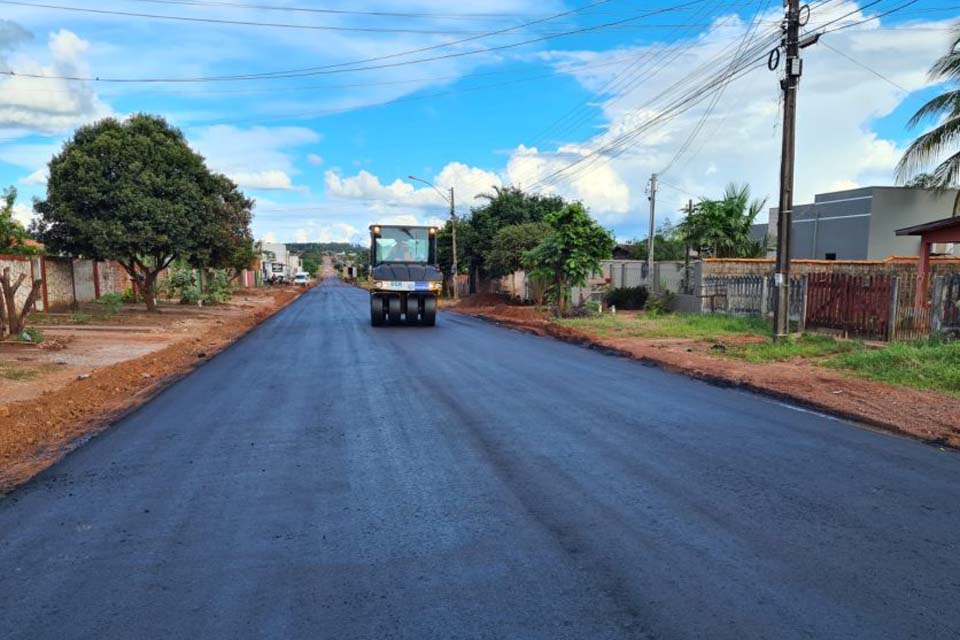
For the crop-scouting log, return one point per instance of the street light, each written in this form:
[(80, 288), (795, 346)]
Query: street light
[(453, 226)]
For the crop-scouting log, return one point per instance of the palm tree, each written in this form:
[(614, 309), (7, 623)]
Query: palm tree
[(945, 108), (721, 228)]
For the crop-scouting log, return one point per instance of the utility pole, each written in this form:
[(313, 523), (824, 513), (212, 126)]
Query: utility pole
[(653, 208), (789, 84), (453, 242), (455, 285), (686, 255)]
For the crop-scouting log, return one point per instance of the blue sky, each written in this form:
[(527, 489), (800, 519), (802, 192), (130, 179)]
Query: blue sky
[(328, 152)]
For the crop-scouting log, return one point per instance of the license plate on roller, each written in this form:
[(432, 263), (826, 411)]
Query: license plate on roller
[(409, 286)]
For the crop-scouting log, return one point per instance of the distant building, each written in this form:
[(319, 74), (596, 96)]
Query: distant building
[(861, 224), (277, 262)]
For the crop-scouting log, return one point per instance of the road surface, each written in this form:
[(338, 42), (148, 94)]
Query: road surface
[(324, 479)]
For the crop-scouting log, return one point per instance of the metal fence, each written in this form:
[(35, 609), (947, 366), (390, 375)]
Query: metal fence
[(853, 305), (911, 309), (750, 296), (945, 307)]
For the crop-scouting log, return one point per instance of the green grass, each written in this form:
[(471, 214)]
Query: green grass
[(669, 325), (927, 364), (806, 346), (18, 373)]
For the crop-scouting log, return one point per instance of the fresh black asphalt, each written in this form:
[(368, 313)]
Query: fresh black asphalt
[(323, 479)]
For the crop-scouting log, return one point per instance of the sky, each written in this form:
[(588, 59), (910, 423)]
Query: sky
[(321, 111)]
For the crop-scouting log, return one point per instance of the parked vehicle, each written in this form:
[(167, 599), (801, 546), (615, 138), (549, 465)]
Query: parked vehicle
[(301, 279)]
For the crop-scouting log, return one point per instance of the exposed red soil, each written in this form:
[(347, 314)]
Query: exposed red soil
[(925, 415), (60, 409)]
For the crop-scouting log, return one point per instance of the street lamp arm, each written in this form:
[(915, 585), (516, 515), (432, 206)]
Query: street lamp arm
[(445, 197)]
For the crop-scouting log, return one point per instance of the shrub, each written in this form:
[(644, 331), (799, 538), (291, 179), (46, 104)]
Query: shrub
[(181, 279), (31, 334), (111, 302), (633, 298), (219, 289), (660, 302), (190, 294)]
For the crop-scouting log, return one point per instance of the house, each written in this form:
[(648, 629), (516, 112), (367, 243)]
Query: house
[(861, 224), (278, 262)]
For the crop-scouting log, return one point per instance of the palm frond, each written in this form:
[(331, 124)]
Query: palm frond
[(928, 147), (948, 66), (948, 102)]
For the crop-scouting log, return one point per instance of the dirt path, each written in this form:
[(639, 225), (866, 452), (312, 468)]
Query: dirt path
[(84, 376), (928, 416)]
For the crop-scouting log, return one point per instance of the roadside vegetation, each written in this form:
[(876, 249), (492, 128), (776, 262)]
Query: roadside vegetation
[(932, 365), (668, 325), (808, 345), (926, 364)]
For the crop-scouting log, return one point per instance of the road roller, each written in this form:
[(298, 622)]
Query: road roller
[(405, 280)]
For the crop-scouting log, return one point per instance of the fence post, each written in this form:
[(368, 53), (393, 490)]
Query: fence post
[(936, 306), (763, 296), (894, 309), (802, 323)]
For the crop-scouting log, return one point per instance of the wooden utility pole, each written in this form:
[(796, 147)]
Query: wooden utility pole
[(653, 208), (789, 84), (453, 242)]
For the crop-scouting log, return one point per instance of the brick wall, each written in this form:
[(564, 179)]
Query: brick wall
[(112, 277), (714, 267)]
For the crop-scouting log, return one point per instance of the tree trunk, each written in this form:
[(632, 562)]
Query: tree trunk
[(3, 318), (150, 290), (14, 320)]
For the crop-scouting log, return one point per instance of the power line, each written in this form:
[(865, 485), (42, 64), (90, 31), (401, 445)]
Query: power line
[(339, 67), (680, 105), (244, 23), (863, 66), (748, 36)]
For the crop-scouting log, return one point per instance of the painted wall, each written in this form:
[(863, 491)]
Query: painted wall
[(898, 208)]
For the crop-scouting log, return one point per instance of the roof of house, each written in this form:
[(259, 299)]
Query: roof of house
[(927, 227)]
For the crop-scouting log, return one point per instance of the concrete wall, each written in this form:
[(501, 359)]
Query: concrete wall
[(83, 282), (58, 280), (66, 281), (835, 223), (898, 208)]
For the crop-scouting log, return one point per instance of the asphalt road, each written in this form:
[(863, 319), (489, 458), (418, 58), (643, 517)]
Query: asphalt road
[(324, 479)]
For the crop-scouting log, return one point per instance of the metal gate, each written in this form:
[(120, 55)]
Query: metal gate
[(854, 305)]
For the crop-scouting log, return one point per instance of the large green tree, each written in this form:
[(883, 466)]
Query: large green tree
[(131, 191), (225, 240), (721, 228), (937, 149), (570, 253), (668, 244), (511, 243), (504, 207)]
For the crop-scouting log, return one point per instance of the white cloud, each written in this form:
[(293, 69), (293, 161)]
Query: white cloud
[(22, 214), (262, 180), (47, 105), (314, 159), (38, 177), (256, 157), (467, 182), (838, 105)]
